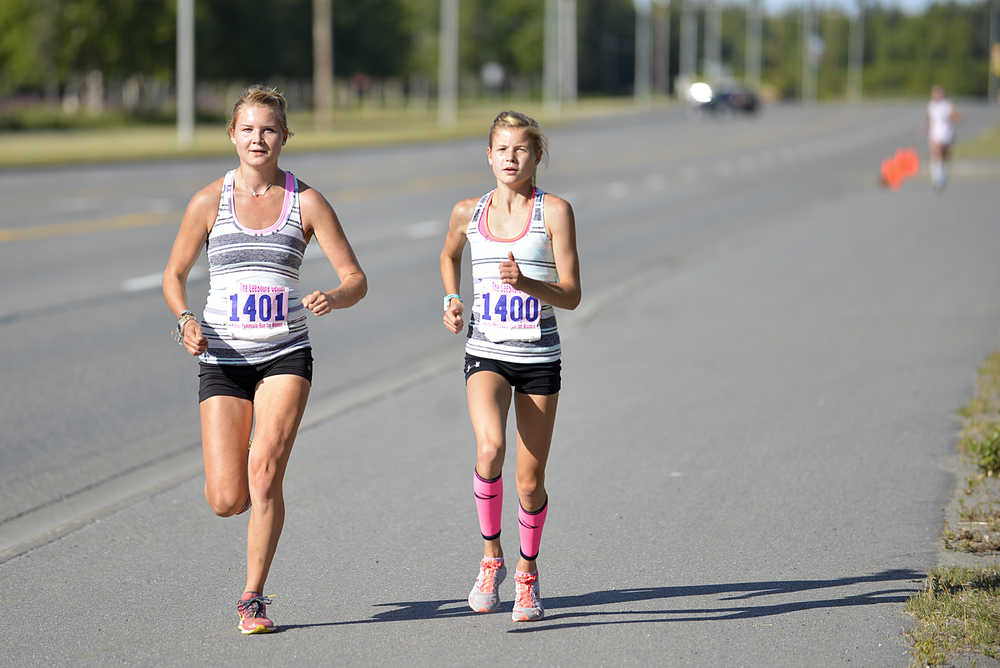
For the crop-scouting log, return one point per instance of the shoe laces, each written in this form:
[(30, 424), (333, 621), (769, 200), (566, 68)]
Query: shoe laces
[(488, 574), (526, 583), (254, 607)]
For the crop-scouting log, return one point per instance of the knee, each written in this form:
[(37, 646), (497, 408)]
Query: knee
[(225, 502), (489, 457), (265, 477), (531, 488)]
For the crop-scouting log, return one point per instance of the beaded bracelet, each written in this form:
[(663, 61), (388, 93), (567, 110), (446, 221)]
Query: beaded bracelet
[(182, 320)]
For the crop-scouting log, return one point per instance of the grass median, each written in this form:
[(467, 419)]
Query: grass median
[(364, 126), (958, 610)]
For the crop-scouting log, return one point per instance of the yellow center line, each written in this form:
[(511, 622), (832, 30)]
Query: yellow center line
[(131, 220)]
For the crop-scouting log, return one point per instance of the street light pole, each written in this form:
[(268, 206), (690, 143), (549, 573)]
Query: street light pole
[(567, 50), (752, 66), (551, 65), (713, 39), (322, 30), (185, 73), (448, 65), (661, 47), (994, 54), (857, 54), (689, 40), (643, 51)]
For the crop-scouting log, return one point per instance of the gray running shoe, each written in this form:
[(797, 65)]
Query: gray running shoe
[(527, 598), (484, 596)]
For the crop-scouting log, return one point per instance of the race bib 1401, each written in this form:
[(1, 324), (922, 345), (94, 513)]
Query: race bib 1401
[(258, 312), (508, 314)]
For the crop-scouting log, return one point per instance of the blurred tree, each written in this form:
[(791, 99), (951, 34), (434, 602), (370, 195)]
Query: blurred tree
[(607, 46), (47, 45), (46, 42)]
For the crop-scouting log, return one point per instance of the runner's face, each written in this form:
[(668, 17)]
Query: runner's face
[(512, 156), (257, 135)]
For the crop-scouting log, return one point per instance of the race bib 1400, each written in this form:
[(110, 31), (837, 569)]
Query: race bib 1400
[(258, 312), (508, 314)]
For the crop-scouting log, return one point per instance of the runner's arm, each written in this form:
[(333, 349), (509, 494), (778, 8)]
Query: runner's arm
[(319, 219), (561, 225), (195, 225), (451, 262)]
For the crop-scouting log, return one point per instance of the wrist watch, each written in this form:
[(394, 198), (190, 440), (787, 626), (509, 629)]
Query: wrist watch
[(447, 300)]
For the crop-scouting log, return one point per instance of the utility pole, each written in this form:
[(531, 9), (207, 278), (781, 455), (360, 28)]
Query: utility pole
[(994, 54), (448, 66), (551, 66), (185, 73), (713, 39), (567, 51), (689, 41), (752, 66), (643, 51), (856, 54), (809, 54), (661, 47), (322, 30)]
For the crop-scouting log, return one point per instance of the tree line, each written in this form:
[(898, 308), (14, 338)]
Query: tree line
[(48, 46)]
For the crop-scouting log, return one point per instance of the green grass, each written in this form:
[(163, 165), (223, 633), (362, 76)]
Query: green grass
[(984, 146), (958, 611), (98, 140)]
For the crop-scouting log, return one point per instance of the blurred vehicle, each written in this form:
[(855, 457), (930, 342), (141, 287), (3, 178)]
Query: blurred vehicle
[(723, 98)]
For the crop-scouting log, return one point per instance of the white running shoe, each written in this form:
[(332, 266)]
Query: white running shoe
[(527, 597), (484, 596)]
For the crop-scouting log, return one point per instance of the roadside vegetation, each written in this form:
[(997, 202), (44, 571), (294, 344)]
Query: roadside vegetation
[(985, 146), (958, 610), (99, 139)]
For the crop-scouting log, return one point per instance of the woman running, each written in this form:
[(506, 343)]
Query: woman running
[(524, 262), (941, 119), (252, 339)]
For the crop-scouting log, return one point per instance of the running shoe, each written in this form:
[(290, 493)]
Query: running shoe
[(484, 596), (253, 613), (527, 598)]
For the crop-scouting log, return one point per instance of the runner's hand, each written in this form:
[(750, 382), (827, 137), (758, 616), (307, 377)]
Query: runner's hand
[(194, 341), (453, 320), (510, 273), (318, 302)]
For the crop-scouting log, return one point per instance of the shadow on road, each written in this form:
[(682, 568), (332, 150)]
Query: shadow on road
[(739, 591)]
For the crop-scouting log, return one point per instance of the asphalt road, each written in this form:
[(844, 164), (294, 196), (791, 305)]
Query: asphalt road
[(750, 458)]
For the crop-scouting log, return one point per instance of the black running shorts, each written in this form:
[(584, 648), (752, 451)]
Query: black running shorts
[(538, 378), (241, 380)]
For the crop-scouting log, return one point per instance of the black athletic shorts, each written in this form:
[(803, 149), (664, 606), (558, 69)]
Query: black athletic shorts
[(240, 380), (537, 378)]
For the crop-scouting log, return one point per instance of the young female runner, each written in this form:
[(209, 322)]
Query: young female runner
[(252, 338), (941, 119), (524, 262)]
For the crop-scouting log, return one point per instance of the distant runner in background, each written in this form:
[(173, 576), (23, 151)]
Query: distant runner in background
[(524, 263), (941, 119), (252, 339)]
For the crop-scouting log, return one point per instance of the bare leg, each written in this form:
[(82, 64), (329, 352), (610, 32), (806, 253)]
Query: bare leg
[(489, 401), (225, 432), (278, 407), (536, 417)]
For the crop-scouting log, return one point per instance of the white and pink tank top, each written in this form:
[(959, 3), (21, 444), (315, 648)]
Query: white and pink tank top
[(254, 312), (507, 324)]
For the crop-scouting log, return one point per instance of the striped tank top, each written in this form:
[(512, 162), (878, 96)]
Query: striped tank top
[(507, 324), (254, 312)]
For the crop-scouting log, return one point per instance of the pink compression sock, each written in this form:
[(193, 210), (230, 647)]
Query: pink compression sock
[(531, 529), (489, 504)]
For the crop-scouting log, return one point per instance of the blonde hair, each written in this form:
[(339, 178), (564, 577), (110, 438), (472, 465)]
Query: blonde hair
[(257, 95), (515, 119)]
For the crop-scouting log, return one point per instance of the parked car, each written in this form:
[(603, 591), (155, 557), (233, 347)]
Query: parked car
[(725, 98)]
